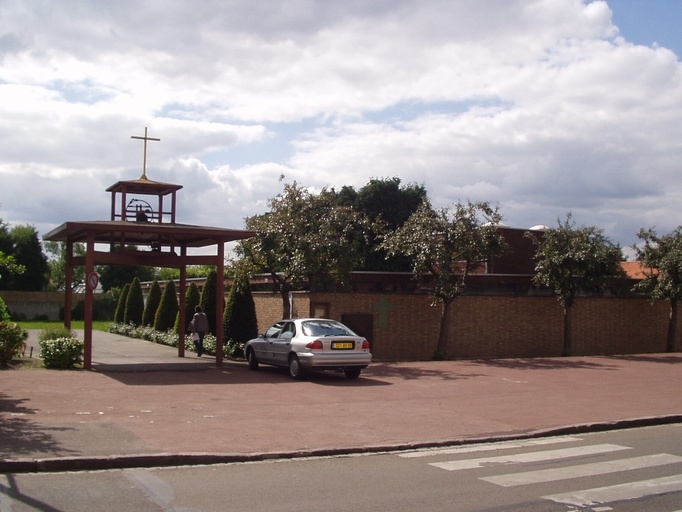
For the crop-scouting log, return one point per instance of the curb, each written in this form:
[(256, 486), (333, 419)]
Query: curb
[(193, 459)]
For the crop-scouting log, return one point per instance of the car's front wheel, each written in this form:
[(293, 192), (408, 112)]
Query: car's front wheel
[(251, 359), (295, 369), (352, 373)]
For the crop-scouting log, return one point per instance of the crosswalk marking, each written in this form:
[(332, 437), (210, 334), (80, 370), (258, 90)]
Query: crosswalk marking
[(529, 457), (504, 445), (629, 491), (597, 468)]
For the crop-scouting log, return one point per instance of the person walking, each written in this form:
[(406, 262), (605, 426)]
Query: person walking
[(198, 328)]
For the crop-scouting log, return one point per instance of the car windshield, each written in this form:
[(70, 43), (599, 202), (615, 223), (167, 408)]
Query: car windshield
[(325, 328)]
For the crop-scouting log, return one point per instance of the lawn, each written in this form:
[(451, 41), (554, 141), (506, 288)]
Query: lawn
[(75, 325)]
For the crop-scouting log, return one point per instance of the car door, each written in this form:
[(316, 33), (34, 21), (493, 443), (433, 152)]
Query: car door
[(282, 343), (269, 343)]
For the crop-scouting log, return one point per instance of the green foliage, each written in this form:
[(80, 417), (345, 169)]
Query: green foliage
[(239, 319), (234, 349), (55, 332), (571, 259), (387, 205), (12, 339), (152, 304), (26, 254), (103, 309), (169, 337), (306, 238), (208, 299), (57, 266), (4, 312), (168, 308), (661, 259), (134, 304), (64, 352), (193, 271), (119, 315), (445, 246), (117, 276)]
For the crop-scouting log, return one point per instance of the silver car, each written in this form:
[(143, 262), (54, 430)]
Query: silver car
[(310, 343)]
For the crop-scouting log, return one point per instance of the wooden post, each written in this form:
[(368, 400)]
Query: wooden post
[(89, 291), (220, 299)]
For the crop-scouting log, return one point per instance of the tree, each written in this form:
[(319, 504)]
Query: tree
[(208, 299), (134, 304), (164, 319), (305, 239), (116, 276), (661, 258), (239, 319), (119, 315), (27, 252), (57, 264), (152, 304), (571, 260), (387, 205), (8, 264), (445, 246)]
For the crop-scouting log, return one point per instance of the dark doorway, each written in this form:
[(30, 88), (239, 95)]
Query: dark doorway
[(361, 323)]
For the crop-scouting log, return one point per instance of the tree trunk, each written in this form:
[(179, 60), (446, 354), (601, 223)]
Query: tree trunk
[(672, 326), (286, 305), (568, 330), (442, 349)]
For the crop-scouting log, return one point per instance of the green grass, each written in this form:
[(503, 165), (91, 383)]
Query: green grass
[(97, 326)]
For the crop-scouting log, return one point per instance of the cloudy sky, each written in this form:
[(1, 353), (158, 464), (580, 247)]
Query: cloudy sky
[(540, 106)]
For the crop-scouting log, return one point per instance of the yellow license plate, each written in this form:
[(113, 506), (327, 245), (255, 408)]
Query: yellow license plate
[(343, 345)]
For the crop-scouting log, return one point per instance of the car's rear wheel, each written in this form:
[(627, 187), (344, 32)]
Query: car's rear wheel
[(251, 359), (295, 369), (352, 373)]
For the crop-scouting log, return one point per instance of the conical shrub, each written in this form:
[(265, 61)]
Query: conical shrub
[(168, 308)]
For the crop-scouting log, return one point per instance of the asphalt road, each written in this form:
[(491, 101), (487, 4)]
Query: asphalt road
[(623, 471)]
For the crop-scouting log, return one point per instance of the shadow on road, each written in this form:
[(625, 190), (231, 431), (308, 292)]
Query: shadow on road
[(19, 436)]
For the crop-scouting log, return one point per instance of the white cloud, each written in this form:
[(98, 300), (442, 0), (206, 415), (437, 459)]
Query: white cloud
[(540, 106)]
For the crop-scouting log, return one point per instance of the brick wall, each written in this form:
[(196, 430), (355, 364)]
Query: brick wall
[(405, 327)]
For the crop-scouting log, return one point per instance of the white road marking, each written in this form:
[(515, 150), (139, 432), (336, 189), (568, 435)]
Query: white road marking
[(597, 468), (504, 445), (629, 491), (529, 457)]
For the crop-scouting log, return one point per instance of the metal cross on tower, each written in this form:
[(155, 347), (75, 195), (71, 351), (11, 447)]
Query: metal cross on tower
[(144, 161)]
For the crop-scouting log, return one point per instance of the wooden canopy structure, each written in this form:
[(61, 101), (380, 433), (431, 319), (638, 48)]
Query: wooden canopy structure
[(141, 233)]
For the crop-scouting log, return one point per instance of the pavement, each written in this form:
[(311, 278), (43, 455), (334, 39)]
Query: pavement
[(142, 406)]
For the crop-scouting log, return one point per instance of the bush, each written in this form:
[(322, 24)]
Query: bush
[(103, 309), (239, 319), (12, 339), (4, 312), (168, 308), (208, 299), (65, 352), (53, 333), (168, 337), (152, 304), (234, 349), (119, 314), (134, 304)]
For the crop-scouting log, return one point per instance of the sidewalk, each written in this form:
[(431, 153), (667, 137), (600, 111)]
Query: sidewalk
[(143, 406)]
